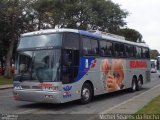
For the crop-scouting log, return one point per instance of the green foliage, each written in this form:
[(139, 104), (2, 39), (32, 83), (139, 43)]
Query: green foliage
[(12, 23), (154, 54), (4, 81), (130, 34), (20, 16), (81, 14)]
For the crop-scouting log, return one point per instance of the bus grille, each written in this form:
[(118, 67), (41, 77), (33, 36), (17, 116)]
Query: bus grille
[(37, 87), (32, 87), (25, 87)]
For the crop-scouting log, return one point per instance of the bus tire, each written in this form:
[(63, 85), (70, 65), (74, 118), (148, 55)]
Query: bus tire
[(134, 85), (139, 83), (86, 93)]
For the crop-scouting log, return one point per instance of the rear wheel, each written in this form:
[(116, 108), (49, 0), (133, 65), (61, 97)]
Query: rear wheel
[(86, 93), (139, 84), (134, 85)]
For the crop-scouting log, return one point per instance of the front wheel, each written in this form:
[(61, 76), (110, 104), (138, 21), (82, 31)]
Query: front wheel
[(86, 93)]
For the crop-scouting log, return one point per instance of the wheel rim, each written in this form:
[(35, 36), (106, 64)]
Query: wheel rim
[(85, 94), (139, 83), (134, 85)]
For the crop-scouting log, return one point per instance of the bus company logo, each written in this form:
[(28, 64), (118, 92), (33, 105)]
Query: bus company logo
[(138, 64), (67, 91), (93, 63)]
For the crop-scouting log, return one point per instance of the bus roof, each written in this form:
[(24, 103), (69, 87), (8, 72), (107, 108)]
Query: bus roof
[(95, 34)]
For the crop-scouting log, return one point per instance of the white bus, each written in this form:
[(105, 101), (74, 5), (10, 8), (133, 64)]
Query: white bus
[(61, 65)]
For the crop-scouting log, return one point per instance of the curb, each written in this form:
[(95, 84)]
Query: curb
[(129, 106), (2, 87)]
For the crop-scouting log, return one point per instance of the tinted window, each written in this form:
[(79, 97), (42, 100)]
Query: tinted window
[(122, 50), (129, 50), (145, 53), (90, 46), (40, 41), (86, 46), (117, 49), (94, 46), (105, 48), (138, 52), (71, 41)]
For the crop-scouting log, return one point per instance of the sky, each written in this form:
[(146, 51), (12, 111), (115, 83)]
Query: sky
[(144, 16)]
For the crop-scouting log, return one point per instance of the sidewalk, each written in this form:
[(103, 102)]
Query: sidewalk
[(6, 86), (132, 105)]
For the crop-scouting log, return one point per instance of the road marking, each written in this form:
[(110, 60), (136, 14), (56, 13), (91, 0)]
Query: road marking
[(6, 96), (118, 105), (31, 111), (27, 111)]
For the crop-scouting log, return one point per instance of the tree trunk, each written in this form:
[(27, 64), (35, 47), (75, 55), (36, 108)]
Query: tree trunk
[(40, 22), (2, 62), (9, 58)]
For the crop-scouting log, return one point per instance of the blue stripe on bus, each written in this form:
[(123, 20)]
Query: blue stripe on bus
[(85, 65), (82, 32)]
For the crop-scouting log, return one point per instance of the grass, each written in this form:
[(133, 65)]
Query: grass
[(4, 81), (152, 107), (151, 111)]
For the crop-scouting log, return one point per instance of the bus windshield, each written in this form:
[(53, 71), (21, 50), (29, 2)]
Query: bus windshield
[(41, 65), (46, 40)]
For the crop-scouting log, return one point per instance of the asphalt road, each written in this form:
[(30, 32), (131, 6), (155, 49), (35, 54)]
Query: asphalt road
[(98, 105)]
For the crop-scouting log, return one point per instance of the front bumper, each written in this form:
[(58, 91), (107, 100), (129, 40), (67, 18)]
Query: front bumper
[(38, 96)]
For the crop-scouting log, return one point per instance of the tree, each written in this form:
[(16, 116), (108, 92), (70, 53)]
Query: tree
[(154, 54), (106, 15), (14, 21), (81, 14), (19, 16), (130, 34), (12, 12), (4, 33)]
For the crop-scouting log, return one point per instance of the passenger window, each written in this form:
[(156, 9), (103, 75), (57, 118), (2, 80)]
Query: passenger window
[(109, 48), (86, 46), (131, 51), (71, 41), (117, 49), (145, 53), (90, 46), (127, 49), (122, 50), (138, 52), (105, 48), (94, 47)]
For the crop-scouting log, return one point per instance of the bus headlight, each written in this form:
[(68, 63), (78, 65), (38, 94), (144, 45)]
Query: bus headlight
[(17, 85)]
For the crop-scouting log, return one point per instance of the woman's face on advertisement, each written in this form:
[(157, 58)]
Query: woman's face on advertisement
[(105, 66), (118, 71)]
